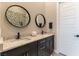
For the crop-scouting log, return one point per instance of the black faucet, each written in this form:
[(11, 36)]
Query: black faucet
[(42, 32), (18, 36)]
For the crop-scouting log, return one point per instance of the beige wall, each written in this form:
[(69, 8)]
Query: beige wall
[(48, 9), (51, 11), (1, 45)]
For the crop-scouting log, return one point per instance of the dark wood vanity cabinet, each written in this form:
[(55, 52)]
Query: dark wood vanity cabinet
[(26, 50), (33, 50), (46, 46), (49, 45), (19, 51), (43, 47)]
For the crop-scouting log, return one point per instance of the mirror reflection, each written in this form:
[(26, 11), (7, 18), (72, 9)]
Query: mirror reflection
[(40, 20), (17, 16)]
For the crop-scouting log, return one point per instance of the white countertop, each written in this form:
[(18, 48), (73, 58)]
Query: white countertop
[(8, 44)]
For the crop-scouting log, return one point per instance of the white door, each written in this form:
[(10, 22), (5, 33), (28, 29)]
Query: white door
[(68, 28)]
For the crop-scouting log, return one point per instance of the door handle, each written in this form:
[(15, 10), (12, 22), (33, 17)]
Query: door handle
[(76, 35)]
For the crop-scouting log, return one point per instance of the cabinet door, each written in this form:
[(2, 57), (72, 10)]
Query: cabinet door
[(49, 45), (33, 49), (41, 48)]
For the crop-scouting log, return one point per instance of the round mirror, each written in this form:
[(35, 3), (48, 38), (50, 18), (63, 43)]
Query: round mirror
[(40, 20), (17, 16)]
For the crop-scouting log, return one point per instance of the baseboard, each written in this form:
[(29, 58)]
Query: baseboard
[(57, 52), (62, 54)]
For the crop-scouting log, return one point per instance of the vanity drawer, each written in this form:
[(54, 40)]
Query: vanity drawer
[(42, 41)]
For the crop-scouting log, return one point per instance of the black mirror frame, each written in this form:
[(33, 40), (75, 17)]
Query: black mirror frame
[(22, 8), (43, 18)]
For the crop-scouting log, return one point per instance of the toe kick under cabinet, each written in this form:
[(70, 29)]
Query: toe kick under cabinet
[(42, 47)]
